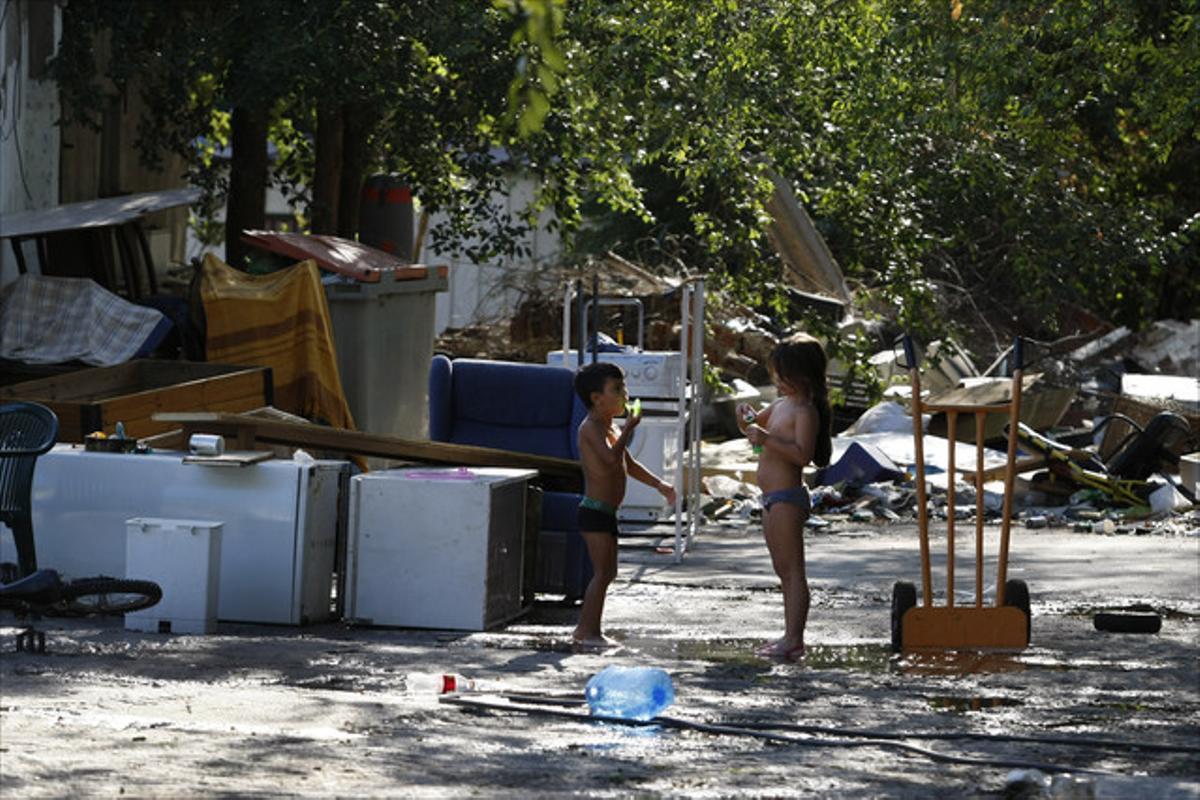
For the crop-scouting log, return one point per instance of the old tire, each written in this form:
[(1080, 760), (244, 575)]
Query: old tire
[(1016, 594), (904, 597), (106, 596), (1126, 622)]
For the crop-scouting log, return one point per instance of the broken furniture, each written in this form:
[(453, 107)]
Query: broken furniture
[(279, 517), (1042, 405), (436, 547), (530, 408), (382, 311), (96, 399), (1006, 624), (99, 239)]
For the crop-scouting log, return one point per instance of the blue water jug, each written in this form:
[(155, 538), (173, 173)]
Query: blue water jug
[(630, 692)]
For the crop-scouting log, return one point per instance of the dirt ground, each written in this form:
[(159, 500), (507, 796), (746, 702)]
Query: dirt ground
[(321, 711)]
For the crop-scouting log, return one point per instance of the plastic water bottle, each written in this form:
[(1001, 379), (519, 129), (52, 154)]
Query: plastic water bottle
[(749, 417), (437, 683), (630, 692), (634, 408)]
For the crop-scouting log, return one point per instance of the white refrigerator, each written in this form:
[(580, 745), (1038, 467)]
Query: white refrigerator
[(280, 521), (436, 547)]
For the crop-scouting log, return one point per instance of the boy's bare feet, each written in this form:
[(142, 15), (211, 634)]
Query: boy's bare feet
[(781, 649)]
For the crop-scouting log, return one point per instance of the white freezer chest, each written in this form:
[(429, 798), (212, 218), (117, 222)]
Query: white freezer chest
[(436, 547), (279, 523)]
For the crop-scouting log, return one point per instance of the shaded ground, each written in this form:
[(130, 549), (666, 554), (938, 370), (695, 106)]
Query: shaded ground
[(320, 711)]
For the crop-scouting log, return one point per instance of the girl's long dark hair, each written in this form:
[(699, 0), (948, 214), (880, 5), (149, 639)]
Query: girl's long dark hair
[(800, 360)]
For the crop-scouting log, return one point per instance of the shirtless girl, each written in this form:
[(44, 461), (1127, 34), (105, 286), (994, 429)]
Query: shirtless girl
[(792, 431)]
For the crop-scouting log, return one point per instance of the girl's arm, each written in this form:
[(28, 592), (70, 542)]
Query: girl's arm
[(761, 418), (796, 446)]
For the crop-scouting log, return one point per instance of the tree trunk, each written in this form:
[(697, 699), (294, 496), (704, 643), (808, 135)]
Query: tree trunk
[(247, 204), (327, 172), (356, 156)]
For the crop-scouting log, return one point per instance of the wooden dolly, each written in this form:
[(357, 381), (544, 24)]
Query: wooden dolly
[(1004, 625)]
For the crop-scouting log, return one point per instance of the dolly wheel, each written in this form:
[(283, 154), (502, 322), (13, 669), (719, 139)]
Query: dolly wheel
[(904, 597), (1016, 594)]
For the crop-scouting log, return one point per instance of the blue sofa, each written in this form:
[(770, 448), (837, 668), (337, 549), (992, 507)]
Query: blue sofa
[(527, 408)]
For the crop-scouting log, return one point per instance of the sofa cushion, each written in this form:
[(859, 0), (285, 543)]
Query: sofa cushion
[(528, 408), (560, 510)]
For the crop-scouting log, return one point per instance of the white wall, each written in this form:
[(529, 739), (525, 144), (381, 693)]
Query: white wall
[(29, 139), (482, 293)]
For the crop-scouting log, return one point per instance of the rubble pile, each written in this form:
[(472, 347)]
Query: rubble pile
[(1109, 442)]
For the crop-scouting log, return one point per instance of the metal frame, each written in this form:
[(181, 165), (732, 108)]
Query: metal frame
[(689, 403)]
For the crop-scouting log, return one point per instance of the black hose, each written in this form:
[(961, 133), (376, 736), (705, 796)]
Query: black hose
[(1074, 741), (575, 699), (682, 724)]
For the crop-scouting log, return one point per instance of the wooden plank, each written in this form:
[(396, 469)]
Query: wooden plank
[(369, 444), (996, 473), (83, 385), (230, 459)]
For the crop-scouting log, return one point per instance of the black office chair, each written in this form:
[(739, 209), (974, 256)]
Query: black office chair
[(1145, 450), (26, 431)]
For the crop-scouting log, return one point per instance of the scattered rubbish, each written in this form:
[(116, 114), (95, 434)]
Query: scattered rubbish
[(949, 703), (1144, 450), (1169, 387), (886, 417), (1099, 348), (1042, 405), (1035, 522), (640, 693), (861, 463), (1169, 347), (1066, 786), (435, 683), (1137, 619), (1025, 783)]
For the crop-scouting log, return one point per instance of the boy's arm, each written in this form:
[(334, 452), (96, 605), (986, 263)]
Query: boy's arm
[(594, 445), (638, 471)]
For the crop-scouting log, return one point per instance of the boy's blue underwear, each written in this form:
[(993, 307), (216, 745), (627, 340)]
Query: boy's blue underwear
[(796, 495), (597, 516)]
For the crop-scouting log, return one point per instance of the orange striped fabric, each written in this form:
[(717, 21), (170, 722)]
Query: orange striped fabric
[(279, 321)]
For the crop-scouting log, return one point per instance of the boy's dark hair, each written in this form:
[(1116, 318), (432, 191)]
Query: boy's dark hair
[(591, 378), (800, 360)]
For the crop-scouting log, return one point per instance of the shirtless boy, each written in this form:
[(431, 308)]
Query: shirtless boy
[(606, 464)]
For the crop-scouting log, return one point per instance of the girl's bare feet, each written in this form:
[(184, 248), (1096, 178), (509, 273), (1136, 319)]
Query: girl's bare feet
[(782, 649), (597, 642)]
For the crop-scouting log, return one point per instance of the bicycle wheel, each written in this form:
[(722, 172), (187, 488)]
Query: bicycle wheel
[(88, 596)]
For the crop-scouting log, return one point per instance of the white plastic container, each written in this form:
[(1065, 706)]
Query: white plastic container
[(183, 557)]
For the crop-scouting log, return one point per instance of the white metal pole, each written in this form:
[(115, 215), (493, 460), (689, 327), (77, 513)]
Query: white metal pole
[(681, 416), (694, 512)]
